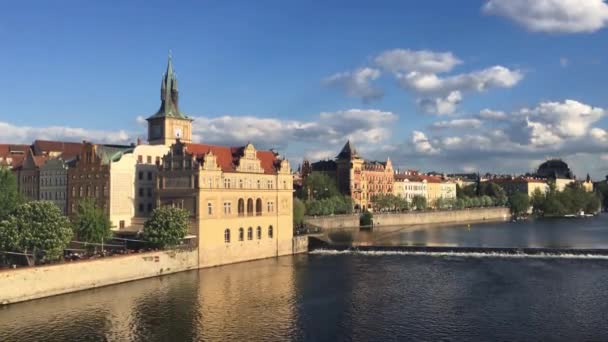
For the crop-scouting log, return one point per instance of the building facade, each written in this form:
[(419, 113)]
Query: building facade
[(240, 200), (28, 176), (409, 185), (54, 182), (526, 185)]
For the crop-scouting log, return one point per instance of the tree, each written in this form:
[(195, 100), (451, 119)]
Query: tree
[(9, 194), (537, 201), (298, 211), (318, 185), (41, 230), (91, 224), (167, 226), (366, 219), (519, 203), (419, 202)]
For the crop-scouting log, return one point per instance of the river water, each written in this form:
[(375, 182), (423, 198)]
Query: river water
[(344, 296)]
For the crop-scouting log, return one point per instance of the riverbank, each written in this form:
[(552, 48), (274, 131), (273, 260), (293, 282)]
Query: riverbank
[(27, 283), (413, 218)]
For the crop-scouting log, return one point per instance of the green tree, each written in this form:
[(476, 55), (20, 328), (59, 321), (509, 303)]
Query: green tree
[(167, 226), (366, 219), (419, 202), (91, 224), (41, 231), (519, 203), (9, 195), (298, 211), (537, 201), (318, 185)]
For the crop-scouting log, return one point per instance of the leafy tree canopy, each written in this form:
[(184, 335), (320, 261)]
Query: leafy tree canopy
[(9, 195), (91, 224), (167, 226), (319, 185)]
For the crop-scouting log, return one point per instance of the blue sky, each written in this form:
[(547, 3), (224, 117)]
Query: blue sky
[(265, 71)]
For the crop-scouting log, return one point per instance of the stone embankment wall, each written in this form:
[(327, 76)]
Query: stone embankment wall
[(412, 218), (300, 244), (443, 217), (333, 222), (27, 283)]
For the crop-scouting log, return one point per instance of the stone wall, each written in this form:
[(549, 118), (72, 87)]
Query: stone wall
[(22, 284), (332, 222), (447, 216), (300, 244), (412, 218)]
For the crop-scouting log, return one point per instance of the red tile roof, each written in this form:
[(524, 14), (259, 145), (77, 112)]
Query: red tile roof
[(68, 150), (228, 157), (430, 179), (8, 150)]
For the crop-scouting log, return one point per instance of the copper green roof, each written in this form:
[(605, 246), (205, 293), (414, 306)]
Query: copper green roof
[(169, 95), (112, 153)]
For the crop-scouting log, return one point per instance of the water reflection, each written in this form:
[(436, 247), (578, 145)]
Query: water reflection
[(554, 233)]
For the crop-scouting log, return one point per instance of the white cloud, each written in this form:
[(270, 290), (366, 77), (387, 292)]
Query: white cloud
[(599, 134), (26, 134), (553, 16), (366, 126), (357, 83), (422, 144), (403, 60), (493, 77), (489, 114), (457, 123), (440, 105)]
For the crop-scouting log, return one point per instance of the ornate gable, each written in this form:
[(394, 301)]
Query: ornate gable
[(249, 162)]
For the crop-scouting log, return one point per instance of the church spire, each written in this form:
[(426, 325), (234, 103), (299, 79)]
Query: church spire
[(169, 94)]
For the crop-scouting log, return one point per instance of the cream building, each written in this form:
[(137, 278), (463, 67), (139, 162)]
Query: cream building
[(522, 184), (409, 185), (448, 190), (54, 182), (240, 200)]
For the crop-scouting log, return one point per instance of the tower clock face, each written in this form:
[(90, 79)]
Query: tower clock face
[(156, 132), (178, 132)]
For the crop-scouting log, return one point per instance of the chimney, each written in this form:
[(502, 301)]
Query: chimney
[(138, 141)]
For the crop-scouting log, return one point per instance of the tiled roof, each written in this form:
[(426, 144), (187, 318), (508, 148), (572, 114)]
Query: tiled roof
[(68, 150), (228, 157), (8, 150), (431, 179)]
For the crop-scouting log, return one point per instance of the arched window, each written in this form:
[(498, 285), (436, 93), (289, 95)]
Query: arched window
[(259, 232), (270, 232), (240, 183), (241, 234), (249, 233), (209, 208), (241, 207), (284, 184), (226, 183), (227, 235), (259, 184), (81, 192), (258, 207), (250, 207)]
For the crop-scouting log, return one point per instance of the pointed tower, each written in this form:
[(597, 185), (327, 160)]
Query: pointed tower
[(348, 172), (169, 124)]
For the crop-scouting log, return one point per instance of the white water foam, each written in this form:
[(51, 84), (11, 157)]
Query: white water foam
[(462, 254)]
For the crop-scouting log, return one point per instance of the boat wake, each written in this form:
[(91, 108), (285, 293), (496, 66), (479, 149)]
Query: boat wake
[(489, 253)]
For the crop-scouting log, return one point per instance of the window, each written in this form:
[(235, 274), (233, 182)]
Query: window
[(141, 207), (258, 207), (270, 207), (149, 192), (240, 183), (241, 234), (141, 192), (226, 183), (149, 160), (249, 233), (122, 224), (259, 184), (96, 191), (140, 159), (73, 191), (250, 207), (149, 207), (81, 192), (157, 161), (227, 235), (259, 232), (149, 175), (284, 184), (241, 207), (270, 232), (209, 208), (227, 208), (140, 176)]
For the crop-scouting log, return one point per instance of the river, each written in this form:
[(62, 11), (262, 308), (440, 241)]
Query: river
[(344, 296)]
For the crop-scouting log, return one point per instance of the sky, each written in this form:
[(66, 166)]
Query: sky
[(450, 86)]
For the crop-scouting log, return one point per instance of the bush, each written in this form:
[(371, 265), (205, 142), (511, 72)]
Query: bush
[(366, 219), (167, 226)]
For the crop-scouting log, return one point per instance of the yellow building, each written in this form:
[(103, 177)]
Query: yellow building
[(240, 199), (525, 185), (448, 190), (587, 184), (433, 189)]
